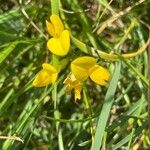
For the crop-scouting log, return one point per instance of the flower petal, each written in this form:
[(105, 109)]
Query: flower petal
[(57, 23), (43, 78), (99, 75), (81, 65), (65, 40), (50, 28), (79, 72), (85, 62), (73, 84), (46, 76), (77, 93), (49, 67), (52, 71), (55, 46)]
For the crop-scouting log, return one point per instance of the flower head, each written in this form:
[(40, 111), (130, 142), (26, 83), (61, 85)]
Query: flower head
[(55, 27), (46, 76), (73, 84), (59, 44), (84, 67)]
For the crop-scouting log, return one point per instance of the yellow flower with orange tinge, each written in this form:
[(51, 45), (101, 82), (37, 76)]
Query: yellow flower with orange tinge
[(59, 44), (46, 76), (84, 67), (73, 84), (81, 69)]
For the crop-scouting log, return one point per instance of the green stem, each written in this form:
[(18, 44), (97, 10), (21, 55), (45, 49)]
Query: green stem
[(149, 86), (71, 121), (57, 116), (55, 7), (113, 57), (55, 62), (89, 108)]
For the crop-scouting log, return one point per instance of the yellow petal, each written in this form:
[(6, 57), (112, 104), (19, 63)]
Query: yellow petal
[(43, 78), (65, 40), (77, 89), (73, 84), (99, 75), (49, 67), (50, 29), (81, 66), (52, 71), (79, 72), (57, 23), (77, 94), (85, 62), (46, 76), (55, 46)]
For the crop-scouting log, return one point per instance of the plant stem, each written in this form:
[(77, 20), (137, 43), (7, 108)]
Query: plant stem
[(149, 86), (89, 108)]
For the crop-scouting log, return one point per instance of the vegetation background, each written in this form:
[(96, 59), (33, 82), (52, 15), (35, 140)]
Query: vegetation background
[(116, 116)]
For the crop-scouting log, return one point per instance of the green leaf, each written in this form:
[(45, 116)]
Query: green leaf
[(4, 53), (7, 50), (104, 115)]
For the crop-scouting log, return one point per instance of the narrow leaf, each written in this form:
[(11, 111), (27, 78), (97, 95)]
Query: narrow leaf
[(103, 118)]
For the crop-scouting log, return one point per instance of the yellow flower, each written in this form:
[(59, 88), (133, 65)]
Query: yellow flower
[(59, 44), (46, 76), (84, 67), (73, 84)]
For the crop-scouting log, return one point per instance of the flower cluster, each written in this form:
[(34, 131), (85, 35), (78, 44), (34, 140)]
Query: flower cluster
[(59, 45), (84, 67), (81, 68)]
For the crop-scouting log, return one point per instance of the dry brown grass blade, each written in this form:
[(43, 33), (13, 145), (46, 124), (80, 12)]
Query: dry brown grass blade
[(11, 138), (116, 16)]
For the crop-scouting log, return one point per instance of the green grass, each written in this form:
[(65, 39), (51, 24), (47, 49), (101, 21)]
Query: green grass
[(111, 117)]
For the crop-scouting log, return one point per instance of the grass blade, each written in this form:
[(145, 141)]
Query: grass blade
[(103, 118)]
